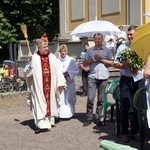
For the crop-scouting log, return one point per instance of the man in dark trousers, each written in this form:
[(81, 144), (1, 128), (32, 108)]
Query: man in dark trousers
[(85, 70), (98, 58), (130, 82)]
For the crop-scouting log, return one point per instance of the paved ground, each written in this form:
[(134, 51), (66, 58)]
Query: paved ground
[(17, 129)]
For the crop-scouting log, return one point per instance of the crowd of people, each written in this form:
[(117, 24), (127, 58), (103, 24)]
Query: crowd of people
[(51, 82)]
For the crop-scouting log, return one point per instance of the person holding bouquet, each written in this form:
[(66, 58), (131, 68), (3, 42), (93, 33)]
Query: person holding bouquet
[(131, 79)]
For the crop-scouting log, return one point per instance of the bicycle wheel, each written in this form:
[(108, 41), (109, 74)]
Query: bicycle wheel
[(22, 86), (7, 87)]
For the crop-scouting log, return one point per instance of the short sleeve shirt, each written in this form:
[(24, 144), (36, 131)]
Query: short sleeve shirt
[(98, 70)]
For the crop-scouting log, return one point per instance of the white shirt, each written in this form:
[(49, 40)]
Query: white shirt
[(122, 34), (109, 43)]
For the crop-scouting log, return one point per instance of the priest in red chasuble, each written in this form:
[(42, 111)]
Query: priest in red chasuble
[(46, 83)]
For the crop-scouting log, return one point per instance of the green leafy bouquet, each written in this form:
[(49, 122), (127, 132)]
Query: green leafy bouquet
[(131, 59)]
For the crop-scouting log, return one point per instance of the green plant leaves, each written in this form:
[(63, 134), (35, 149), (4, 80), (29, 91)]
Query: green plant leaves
[(131, 59)]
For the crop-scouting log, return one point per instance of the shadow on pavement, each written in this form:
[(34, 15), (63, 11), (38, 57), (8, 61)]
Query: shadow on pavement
[(80, 116), (109, 133), (29, 123)]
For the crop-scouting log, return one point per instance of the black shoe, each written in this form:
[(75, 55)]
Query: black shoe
[(37, 131), (125, 138), (98, 122), (84, 94), (45, 130), (135, 137), (87, 123), (57, 120)]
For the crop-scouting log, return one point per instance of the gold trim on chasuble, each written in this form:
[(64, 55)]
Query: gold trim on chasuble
[(46, 81)]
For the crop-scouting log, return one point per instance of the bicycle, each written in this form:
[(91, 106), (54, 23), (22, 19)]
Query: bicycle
[(5, 85), (22, 86), (19, 84)]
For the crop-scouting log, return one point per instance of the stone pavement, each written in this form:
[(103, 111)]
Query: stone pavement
[(17, 129)]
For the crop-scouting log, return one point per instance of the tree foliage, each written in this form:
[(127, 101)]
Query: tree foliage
[(39, 16), (7, 31)]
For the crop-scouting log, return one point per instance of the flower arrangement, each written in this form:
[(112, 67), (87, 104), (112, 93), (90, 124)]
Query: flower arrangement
[(131, 59)]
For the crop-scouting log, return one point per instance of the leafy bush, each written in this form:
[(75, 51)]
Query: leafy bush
[(131, 59)]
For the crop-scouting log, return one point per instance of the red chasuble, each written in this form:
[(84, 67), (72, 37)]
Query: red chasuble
[(45, 65)]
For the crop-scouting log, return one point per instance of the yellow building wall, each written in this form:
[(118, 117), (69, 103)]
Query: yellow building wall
[(75, 23), (119, 18), (116, 18), (145, 8)]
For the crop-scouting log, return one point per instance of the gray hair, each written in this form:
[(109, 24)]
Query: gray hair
[(98, 34), (39, 42)]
